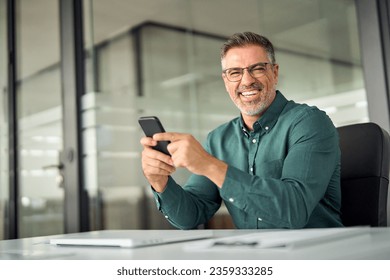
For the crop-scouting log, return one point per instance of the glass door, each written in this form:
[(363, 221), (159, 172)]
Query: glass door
[(39, 105)]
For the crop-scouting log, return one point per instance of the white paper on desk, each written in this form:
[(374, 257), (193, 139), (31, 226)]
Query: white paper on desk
[(286, 239)]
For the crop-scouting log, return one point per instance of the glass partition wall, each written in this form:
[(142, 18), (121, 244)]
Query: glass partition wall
[(147, 58)]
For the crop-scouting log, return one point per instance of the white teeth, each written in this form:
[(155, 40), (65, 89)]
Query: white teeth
[(249, 93)]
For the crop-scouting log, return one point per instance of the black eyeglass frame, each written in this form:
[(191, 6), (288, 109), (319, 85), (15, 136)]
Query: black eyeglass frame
[(249, 68)]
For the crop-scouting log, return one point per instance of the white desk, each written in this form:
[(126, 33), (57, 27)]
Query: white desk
[(373, 244)]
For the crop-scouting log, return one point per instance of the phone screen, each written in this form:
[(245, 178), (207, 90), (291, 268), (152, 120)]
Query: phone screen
[(152, 125)]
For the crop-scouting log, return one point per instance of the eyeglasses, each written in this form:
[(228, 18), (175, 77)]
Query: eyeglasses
[(256, 71)]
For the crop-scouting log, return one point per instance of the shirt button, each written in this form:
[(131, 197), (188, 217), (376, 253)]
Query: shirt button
[(254, 141), (231, 199), (251, 169), (266, 128), (166, 217), (259, 219)]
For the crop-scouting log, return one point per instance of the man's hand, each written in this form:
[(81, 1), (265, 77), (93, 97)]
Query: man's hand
[(187, 152), (155, 165)]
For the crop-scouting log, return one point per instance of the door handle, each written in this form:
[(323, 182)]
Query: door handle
[(53, 166), (60, 177)]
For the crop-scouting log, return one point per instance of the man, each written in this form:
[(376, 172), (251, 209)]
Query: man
[(275, 166)]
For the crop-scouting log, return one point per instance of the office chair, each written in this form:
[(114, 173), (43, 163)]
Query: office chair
[(364, 174)]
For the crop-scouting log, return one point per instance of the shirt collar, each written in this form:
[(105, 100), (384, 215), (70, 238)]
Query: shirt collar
[(271, 115)]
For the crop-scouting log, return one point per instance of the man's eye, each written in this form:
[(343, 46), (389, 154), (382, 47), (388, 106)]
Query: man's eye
[(234, 73), (259, 69)]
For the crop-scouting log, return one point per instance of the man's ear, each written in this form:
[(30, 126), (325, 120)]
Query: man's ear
[(275, 71)]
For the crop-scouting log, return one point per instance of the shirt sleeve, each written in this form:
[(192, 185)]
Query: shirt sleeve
[(188, 207), (288, 201)]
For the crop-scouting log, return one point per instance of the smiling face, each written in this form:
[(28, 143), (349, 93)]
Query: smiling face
[(251, 95)]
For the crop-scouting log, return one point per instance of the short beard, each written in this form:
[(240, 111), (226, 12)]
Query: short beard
[(259, 109), (253, 112)]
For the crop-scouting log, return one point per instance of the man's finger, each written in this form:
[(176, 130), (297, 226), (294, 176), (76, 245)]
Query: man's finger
[(168, 136), (158, 167), (154, 154), (148, 141)]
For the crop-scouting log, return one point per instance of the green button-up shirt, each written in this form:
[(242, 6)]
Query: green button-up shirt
[(283, 174)]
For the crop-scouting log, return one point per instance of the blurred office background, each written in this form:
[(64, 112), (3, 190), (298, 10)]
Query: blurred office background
[(153, 57)]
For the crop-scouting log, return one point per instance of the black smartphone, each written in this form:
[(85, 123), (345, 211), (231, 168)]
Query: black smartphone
[(152, 125)]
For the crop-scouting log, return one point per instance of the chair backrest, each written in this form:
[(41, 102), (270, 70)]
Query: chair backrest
[(364, 174)]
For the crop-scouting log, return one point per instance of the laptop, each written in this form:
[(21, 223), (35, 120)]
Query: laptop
[(130, 238)]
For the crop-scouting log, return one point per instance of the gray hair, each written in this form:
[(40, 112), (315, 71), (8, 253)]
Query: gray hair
[(248, 38)]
